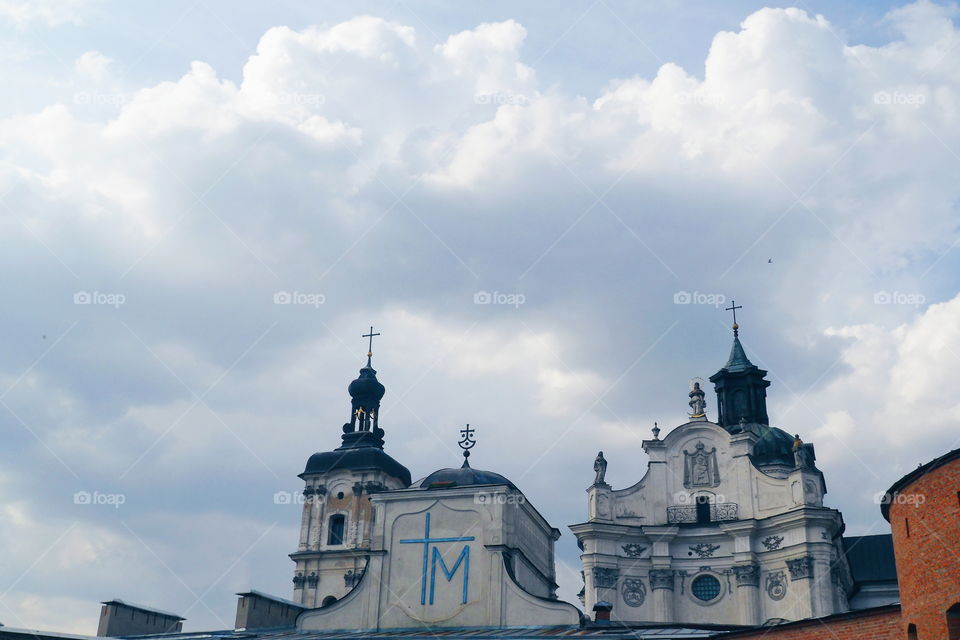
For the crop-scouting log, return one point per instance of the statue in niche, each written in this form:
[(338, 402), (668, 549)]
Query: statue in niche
[(700, 467), (697, 402), (600, 468)]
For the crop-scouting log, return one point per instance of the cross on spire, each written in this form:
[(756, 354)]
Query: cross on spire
[(733, 307), (370, 344)]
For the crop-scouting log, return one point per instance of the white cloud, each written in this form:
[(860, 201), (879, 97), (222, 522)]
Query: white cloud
[(49, 13)]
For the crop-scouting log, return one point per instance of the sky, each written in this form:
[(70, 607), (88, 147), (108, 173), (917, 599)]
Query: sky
[(543, 208)]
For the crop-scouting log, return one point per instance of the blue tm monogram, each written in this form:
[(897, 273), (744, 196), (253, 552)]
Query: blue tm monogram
[(431, 555)]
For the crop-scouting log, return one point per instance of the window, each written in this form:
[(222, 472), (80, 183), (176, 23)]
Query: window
[(335, 530), (705, 588), (906, 524), (703, 509), (953, 622), (912, 632), (329, 600)]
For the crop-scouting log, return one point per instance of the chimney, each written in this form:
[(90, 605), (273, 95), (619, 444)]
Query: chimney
[(119, 618), (601, 612), (257, 610)]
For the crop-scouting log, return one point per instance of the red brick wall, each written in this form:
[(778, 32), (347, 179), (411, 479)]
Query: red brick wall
[(928, 559), (882, 624)]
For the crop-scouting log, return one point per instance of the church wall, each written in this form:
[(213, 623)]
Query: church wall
[(326, 570)]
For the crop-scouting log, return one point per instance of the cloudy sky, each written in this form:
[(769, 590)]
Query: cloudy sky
[(543, 208)]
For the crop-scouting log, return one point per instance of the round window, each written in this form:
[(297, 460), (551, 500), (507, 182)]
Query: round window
[(705, 588)]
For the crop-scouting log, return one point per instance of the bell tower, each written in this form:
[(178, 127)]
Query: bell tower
[(337, 519), (741, 387)]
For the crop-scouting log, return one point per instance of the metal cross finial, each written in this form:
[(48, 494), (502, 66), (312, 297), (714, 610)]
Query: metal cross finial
[(370, 344), (466, 442), (733, 307)]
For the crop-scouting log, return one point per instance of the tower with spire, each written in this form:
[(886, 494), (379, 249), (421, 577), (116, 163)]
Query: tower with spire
[(334, 545), (741, 387)]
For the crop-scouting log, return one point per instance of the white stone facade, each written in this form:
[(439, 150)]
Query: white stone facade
[(474, 556), (325, 567), (761, 534)]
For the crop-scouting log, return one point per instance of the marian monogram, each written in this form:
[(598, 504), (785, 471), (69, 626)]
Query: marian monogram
[(433, 558)]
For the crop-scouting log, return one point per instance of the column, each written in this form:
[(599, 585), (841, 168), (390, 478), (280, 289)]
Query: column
[(748, 592), (661, 587), (662, 575)]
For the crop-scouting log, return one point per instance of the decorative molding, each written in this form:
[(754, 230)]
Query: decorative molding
[(298, 581), (633, 550), (800, 568), (748, 575), (605, 577), (704, 549), (776, 585), (772, 543), (661, 579), (683, 580), (633, 591), (687, 513), (351, 578), (313, 580)]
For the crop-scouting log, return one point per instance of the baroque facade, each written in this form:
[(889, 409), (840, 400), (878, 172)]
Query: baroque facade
[(727, 525)]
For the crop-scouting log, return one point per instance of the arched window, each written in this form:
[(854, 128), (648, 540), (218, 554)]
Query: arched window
[(912, 632), (335, 529), (329, 600), (703, 509), (953, 622)]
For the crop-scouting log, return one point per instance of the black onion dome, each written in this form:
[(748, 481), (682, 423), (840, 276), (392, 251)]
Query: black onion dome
[(465, 476), (366, 388)]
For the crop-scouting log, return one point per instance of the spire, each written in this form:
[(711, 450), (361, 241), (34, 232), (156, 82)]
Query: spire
[(738, 360), (365, 395), (741, 386)]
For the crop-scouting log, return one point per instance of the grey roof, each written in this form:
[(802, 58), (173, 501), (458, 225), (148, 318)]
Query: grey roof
[(267, 596), (589, 632), (133, 605), (871, 558), (465, 476)]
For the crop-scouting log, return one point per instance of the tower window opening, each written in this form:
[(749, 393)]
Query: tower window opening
[(335, 531)]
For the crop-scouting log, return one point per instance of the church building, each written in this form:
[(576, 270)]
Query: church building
[(727, 525), (461, 547)]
